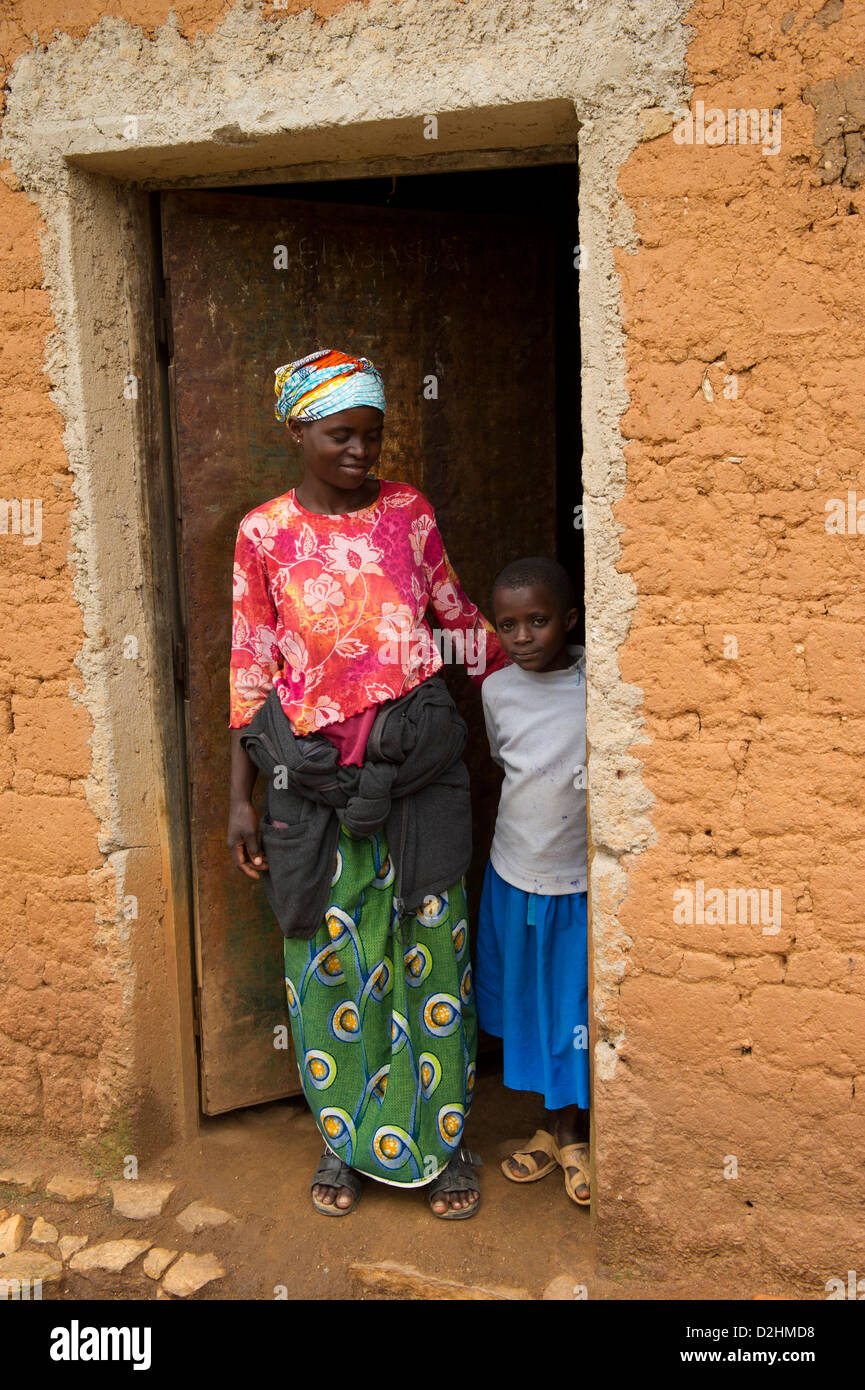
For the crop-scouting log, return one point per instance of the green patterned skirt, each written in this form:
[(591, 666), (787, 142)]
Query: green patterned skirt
[(383, 1020)]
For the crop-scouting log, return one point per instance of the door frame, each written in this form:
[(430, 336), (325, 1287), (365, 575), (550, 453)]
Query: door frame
[(149, 318), (207, 990), (98, 252)]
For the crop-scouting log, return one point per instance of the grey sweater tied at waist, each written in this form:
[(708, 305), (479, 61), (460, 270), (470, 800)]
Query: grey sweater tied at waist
[(413, 782)]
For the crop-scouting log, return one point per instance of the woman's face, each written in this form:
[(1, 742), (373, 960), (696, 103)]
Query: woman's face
[(342, 448)]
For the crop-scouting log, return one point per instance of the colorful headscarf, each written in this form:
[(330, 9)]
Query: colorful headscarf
[(324, 383)]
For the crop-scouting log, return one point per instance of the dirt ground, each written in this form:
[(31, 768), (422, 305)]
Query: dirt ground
[(257, 1164)]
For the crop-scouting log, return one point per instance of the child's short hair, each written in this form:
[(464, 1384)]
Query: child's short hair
[(540, 570)]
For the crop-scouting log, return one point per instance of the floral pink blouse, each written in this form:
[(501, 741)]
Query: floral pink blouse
[(330, 610)]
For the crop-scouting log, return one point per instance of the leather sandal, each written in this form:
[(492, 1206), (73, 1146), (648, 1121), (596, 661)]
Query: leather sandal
[(332, 1172), (543, 1142), (575, 1156), (458, 1176)]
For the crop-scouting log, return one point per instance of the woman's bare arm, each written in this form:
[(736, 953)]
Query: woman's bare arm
[(243, 837)]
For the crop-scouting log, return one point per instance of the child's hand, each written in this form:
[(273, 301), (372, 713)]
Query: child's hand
[(243, 840)]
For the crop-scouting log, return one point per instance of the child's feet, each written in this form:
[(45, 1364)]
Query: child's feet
[(565, 1145), (534, 1162), (573, 1157)]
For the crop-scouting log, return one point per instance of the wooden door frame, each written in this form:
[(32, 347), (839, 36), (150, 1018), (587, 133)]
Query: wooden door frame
[(154, 463)]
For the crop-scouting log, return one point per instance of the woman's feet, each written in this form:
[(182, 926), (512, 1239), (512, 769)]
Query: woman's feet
[(455, 1195), (324, 1196), (335, 1187)]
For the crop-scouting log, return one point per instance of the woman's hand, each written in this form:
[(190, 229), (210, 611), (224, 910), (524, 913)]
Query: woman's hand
[(243, 839)]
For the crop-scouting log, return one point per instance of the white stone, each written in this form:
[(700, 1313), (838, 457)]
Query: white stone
[(43, 1232), (197, 1216), (157, 1260), (28, 1178), (11, 1234), (191, 1273), (70, 1245), (140, 1200), (111, 1255), (30, 1264), (71, 1187)]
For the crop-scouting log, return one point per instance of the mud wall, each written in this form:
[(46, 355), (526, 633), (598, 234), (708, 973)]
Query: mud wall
[(722, 344)]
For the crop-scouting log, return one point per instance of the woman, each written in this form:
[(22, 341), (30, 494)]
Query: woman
[(331, 584)]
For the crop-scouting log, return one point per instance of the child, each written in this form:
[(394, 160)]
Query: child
[(532, 978)]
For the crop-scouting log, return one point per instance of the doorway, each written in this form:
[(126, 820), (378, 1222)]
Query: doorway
[(461, 287)]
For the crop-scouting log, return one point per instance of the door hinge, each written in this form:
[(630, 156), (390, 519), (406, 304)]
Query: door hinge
[(164, 329)]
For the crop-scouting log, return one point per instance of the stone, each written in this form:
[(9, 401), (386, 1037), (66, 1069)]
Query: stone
[(831, 12), (43, 1232), (564, 1286), (654, 122), (11, 1234), (197, 1217), (389, 1277), (70, 1187), (70, 1245), (26, 1178), (140, 1200), (157, 1260), (110, 1255), (30, 1264), (191, 1273)]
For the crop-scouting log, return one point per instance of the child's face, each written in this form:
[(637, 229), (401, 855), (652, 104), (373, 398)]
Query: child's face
[(533, 627)]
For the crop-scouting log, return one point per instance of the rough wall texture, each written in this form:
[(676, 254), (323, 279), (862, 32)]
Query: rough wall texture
[(742, 1044), (60, 1019), (734, 306)]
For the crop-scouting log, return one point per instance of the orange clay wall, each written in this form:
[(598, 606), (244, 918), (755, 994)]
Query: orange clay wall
[(62, 1027), (745, 319), (738, 1098)]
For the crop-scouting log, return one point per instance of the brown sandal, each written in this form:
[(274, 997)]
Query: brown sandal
[(575, 1156), (542, 1142)]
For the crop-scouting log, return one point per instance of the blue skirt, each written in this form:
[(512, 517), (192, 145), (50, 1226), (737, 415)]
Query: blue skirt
[(532, 988)]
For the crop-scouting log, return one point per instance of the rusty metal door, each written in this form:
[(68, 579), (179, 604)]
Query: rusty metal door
[(456, 309)]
